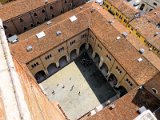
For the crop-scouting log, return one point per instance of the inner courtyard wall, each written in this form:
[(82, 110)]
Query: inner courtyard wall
[(26, 21), (88, 38)]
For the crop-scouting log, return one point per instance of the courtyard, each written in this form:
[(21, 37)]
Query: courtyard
[(78, 88)]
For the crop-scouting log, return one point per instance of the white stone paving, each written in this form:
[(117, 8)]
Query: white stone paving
[(73, 104)]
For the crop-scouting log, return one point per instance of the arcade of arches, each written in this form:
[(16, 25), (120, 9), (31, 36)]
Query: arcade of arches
[(110, 68)]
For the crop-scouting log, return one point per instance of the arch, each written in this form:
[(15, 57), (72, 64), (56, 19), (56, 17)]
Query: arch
[(90, 50), (82, 48), (52, 68), (73, 54), (113, 80), (104, 69), (97, 59), (122, 90), (40, 76), (62, 61)]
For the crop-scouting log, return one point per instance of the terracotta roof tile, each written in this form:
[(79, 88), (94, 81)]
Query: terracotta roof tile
[(124, 7), (122, 50), (39, 106), (154, 84), (124, 109), (146, 25), (18, 7)]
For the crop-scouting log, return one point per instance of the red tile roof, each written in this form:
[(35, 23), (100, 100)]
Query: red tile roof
[(124, 7), (146, 25), (121, 49), (39, 106), (124, 109), (18, 7)]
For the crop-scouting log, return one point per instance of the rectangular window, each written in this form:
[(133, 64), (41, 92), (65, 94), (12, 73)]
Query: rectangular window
[(125, 20), (117, 68), (120, 17), (71, 43), (108, 57), (129, 82), (48, 57), (117, 14), (61, 49), (138, 34), (34, 65), (107, 6), (84, 35), (99, 47)]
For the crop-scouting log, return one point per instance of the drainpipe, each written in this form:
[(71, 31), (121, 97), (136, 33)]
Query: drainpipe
[(14, 85)]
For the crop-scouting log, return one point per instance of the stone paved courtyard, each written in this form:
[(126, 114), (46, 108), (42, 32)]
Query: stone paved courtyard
[(78, 89)]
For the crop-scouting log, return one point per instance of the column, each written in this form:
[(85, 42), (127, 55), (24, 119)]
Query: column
[(46, 72), (77, 52), (86, 46), (108, 74), (57, 64), (68, 58), (117, 85), (93, 54), (101, 62)]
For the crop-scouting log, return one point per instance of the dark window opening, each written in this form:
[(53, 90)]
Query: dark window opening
[(32, 25), (120, 17), (24, 28), (51, 7), (35, 14), (150, 9), (52, 15), (10, 35), (45, 19), (43, 11), (142, 7), (158, 25), (155, 4), (117, 14), (125, 20), (5, 27), (20, 19), (38, 23), (107, 6)]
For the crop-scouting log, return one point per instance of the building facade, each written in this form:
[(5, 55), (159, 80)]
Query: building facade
[(29, 19), (148, 5)]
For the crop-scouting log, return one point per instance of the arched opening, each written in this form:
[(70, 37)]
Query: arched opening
[(40, 76), (121, 90), (113, 80), (73, 54), (62, 61), (82, 48), (104, 69), (52, 68), (142, 7), (90, 50), (97, 59)]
